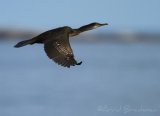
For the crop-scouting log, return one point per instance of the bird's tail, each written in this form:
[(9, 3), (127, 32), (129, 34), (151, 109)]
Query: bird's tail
[(24, 43)]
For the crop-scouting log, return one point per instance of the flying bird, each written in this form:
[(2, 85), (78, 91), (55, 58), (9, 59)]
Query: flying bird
[(56, 43)]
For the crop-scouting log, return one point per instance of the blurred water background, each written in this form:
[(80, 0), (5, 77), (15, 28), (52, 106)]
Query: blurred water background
[(120, 73)]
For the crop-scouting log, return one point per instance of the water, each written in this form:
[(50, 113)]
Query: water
[(114, 79)]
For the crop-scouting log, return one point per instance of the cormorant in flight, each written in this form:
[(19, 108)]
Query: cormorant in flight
[(56, 43)]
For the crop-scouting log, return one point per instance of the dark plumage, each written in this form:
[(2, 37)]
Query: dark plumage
[(56, 43)]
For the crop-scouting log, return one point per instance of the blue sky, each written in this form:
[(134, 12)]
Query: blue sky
[(120, 14)]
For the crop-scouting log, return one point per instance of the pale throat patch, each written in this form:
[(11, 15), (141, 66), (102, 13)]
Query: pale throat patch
[(95, 26)]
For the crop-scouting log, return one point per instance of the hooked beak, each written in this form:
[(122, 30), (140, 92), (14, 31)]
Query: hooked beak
[(104, 24)]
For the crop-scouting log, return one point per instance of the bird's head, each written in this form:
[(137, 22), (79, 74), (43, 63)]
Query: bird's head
[(74, 32), (96, 25), (91, 26)]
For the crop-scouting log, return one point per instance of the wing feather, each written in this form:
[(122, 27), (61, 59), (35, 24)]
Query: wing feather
[(60, 51)]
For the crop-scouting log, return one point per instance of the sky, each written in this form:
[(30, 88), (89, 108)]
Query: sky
[(44, 14)]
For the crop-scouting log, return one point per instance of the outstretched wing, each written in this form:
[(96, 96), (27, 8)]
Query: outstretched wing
[(60, 51)]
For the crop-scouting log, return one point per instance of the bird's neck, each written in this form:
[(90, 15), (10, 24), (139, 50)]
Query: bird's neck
[(80, 30), (85, 28), (74, 32)]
